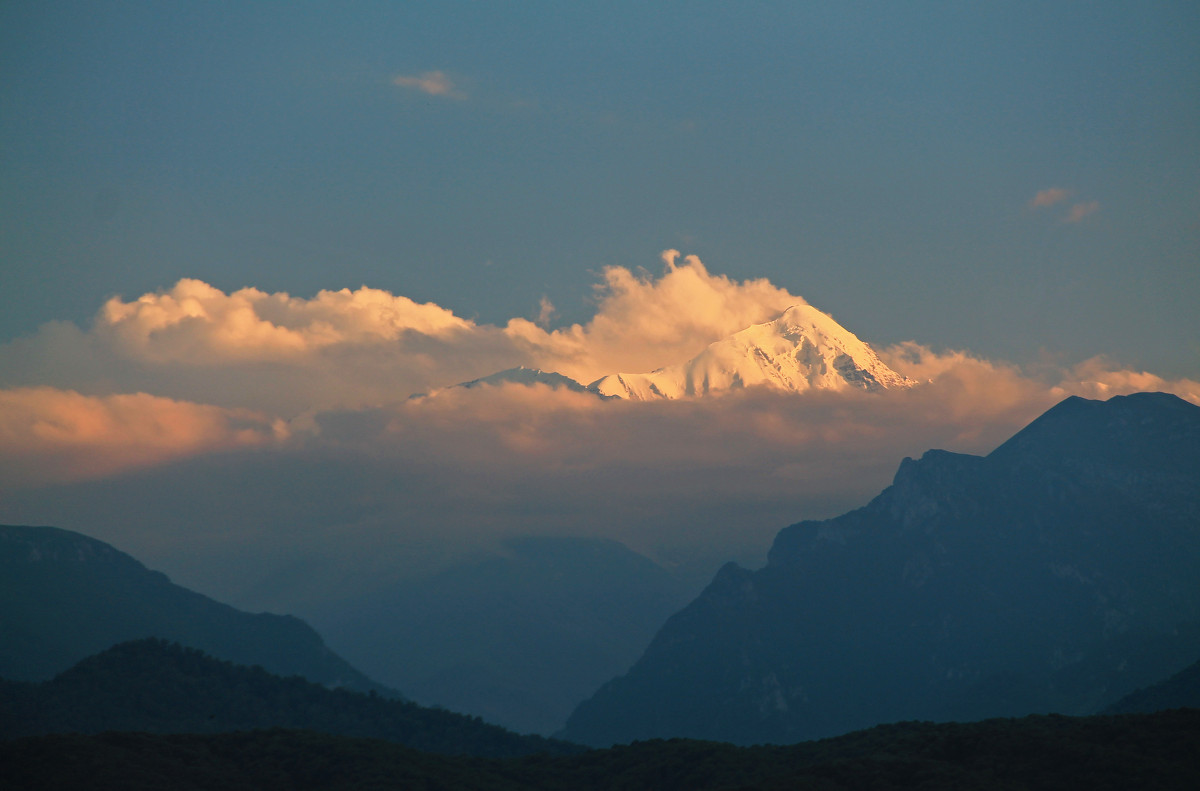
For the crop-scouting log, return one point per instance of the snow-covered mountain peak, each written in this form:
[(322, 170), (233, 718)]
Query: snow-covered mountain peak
[(802, 349)]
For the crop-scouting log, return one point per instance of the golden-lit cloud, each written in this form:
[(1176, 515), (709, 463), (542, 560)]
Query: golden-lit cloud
[(287, 354), (1081, 210), (271, 352), (161, 382), (967, 387), (643, 323), (986, 386), (433, 83), (197, 322), (1099, 378), (49, 435), (1049, 197)]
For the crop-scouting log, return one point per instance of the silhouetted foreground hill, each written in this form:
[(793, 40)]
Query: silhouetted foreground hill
[(1059, 573), (65, 596), (151, 685), (1159, 751)]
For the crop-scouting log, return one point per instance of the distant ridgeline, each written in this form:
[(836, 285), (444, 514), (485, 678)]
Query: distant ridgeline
[(1057, 574), (517, 638), (159, 687), (64, 596)]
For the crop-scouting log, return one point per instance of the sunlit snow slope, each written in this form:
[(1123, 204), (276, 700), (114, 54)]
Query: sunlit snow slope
[(801, 350)]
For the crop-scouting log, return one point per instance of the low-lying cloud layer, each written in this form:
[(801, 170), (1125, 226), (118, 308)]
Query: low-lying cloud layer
[(49, 435), (191, 424)]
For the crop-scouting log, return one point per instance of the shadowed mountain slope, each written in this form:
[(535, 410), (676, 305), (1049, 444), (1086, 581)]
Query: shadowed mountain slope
[(64, 596), (1058, 573)]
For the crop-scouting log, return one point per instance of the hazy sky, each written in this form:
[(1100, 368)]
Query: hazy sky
[(1003, 198)]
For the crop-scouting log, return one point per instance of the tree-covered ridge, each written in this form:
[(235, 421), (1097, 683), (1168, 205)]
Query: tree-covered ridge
[(1160, 751), (159, 687)]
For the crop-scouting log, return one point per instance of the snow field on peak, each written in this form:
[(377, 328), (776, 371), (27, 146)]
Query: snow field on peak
[(803, 349)]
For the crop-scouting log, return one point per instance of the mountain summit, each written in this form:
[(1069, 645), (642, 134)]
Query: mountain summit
[(1056, 574), (803, 349)]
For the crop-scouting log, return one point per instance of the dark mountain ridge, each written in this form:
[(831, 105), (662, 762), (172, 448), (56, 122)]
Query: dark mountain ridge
[(65, 596), (1058, 573), (159, 687)]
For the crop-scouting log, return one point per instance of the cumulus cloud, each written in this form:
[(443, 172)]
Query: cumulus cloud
[(195, 321), (252, 349), (287, 354), (1049, 197), (643, 323), (1100, 378), (433, 83), (1081, 210), (49, 435)]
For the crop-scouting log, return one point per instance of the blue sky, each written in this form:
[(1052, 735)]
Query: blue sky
[(879, 159)]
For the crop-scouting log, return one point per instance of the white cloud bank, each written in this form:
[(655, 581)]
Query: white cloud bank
[(200, 361)]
